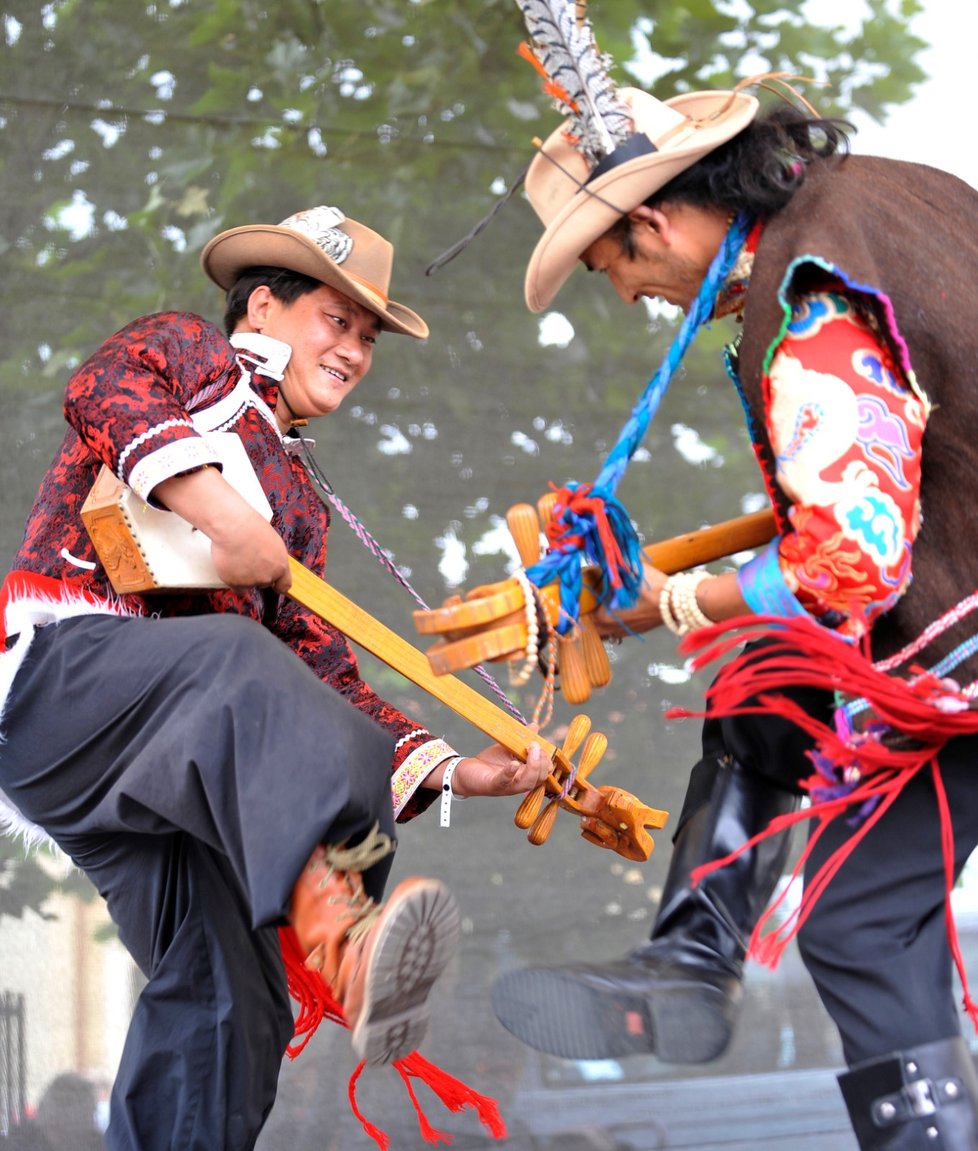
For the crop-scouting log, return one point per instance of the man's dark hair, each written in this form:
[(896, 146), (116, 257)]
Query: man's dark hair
[(757, 171), (284, 285)]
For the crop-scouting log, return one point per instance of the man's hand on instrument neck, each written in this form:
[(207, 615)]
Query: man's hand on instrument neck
[(247, 551), (642, 616), (718, 597), (495, 771)]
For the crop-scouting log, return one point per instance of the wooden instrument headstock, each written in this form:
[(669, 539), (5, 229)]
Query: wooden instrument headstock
[(489, 623), (610, 817)]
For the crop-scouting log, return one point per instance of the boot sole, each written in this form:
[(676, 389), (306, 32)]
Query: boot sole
[(681, 1022), (416, 941)]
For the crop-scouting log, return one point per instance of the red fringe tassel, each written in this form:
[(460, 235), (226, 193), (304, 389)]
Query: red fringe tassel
[(929, 711), (310, 991), (453, 1093), (316, 1003)]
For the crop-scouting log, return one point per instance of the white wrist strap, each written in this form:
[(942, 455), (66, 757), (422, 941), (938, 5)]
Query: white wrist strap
[(447, 795)]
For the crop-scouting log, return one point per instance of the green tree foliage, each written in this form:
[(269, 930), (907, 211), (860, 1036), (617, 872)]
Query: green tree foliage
[(159, 123)]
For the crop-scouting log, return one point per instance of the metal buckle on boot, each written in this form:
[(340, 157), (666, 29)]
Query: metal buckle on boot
[(914, 1100), (922, 1097)]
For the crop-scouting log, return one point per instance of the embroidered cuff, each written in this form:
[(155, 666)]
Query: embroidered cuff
[(407, 779), (178, 456), (763, 586)]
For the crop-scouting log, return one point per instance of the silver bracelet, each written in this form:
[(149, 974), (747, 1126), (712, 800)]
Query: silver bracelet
[(447, 795)]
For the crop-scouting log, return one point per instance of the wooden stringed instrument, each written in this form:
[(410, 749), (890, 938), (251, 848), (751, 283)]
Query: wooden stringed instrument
[(610, 817), (490, 622)]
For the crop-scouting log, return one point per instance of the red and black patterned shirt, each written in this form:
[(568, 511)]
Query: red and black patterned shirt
[(138, 405)]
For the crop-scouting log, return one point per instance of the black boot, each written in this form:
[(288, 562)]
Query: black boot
[(925, 1098), (677, 996)]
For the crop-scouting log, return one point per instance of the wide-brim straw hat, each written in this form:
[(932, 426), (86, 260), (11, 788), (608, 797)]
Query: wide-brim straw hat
[(578, 203), (324, 244)]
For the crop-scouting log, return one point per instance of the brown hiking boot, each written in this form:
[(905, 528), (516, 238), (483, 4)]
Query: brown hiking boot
[(380, 960)]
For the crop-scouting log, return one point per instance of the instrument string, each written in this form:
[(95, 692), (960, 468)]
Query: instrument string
[(383, 557)]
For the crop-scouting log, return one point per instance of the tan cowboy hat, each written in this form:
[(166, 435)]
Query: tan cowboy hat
[(578, 203), (324, 244)]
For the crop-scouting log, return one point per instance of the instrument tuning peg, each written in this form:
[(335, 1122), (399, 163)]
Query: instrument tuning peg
[(594, 749), (544, 824), (595, 745), (595, 656), (545, 508), (575, 682), (528, 812), (529, 809), (524, 527), (577, 733)]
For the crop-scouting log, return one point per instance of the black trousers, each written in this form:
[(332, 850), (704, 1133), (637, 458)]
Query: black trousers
[(189, 767), (876, 942)]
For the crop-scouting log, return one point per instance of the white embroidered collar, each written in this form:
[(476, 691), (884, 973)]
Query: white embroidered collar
[(267, 355)]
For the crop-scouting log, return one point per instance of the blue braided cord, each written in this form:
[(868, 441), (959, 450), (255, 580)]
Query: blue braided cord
[(642, 414), (563, 561), (952, 659)]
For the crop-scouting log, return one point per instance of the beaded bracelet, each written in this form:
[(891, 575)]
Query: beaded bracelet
[(665, 609), (447, 795), (678, 605), (519, 676), (687, 606)]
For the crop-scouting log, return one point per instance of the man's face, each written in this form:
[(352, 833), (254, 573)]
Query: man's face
[(669, 260), (332, 339)]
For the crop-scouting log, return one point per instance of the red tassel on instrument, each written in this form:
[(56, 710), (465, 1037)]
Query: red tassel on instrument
[(577, 506), (316, 1003)]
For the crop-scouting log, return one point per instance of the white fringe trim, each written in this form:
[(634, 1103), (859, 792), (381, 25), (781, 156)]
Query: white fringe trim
[(22, 618)]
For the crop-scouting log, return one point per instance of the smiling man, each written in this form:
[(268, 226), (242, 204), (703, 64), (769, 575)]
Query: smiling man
[(213, 786)]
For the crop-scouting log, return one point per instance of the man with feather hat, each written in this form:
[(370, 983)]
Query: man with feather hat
[(857, 683)]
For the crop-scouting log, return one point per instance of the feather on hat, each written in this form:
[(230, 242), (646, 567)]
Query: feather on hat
[(615, 148)]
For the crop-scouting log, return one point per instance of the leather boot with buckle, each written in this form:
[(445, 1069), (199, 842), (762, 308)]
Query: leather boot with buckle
[(380, 960), (678, 996), (921, 1099)]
